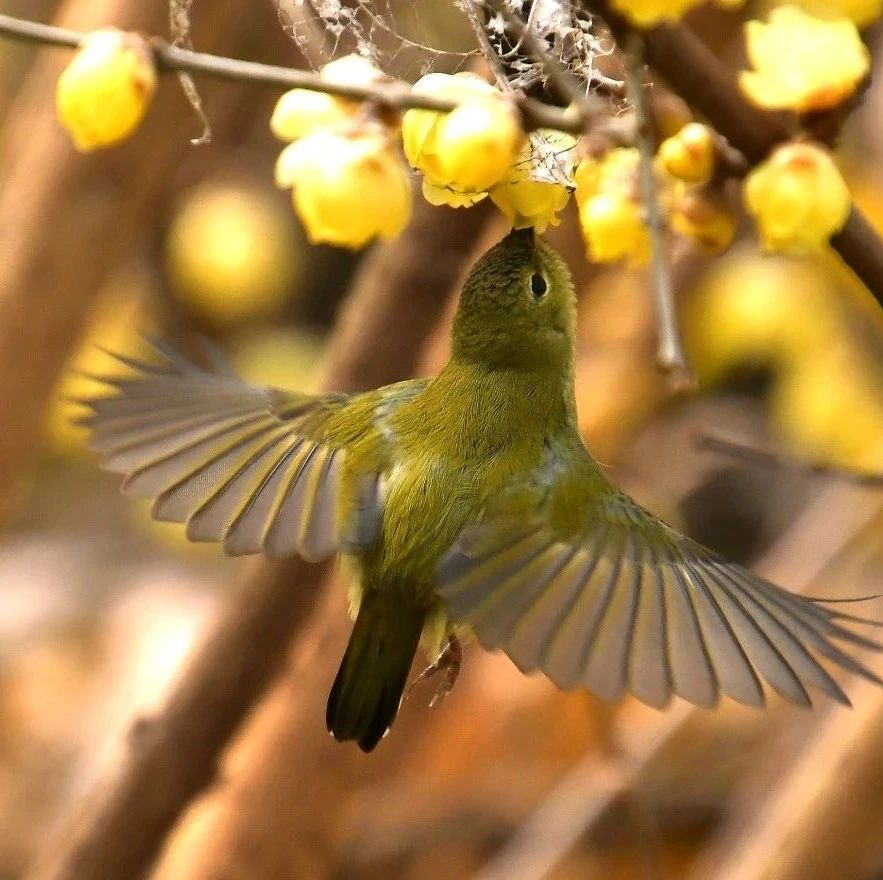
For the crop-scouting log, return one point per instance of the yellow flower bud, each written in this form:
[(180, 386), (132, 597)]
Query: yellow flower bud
[(347, 187), (705, 220), (528, 198), (103, 94), (301, 111), (689, 155), (610, 211), (468, 150), (798, 198), (801, 62), (614, 229)]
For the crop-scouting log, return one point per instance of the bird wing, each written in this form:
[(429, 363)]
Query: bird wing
[(259, 469), (592, 590)]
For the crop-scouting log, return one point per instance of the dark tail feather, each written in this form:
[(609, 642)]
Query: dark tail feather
[(368, 689)]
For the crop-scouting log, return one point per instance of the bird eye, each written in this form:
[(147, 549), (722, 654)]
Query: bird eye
[(538, 286)]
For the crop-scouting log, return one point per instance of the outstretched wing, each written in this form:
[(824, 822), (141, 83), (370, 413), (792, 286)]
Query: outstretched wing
[(623, 603), (258, 469)]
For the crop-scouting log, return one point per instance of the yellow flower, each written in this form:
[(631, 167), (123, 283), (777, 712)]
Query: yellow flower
[(232, 253), (103, 94), (802, 63), (705, 220), (301, 111), (614, 229), (798, 198), (689, 155), (468, 150), (648, 13), (347, 187), (530, 194), (862, 12), (610, 211)]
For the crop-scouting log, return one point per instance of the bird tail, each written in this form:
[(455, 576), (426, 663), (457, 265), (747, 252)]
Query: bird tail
[(368, 689)]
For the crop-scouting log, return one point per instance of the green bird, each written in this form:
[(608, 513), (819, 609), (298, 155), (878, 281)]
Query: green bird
[(466, 503)]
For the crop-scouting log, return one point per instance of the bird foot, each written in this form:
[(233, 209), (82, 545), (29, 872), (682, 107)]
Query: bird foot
[(448, 664)]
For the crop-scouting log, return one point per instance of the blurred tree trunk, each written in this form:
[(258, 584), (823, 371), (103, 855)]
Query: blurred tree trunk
[(69, 219)]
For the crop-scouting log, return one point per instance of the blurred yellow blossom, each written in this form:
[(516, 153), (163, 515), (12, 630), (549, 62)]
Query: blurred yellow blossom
[(103, 94), (828, 408), (798, 198), (862, 12), (754, 309), (610, 209), (530, 195), (801, 62), (689, 155), (347, 187), (649, 13), (466, 151), (301, 111), (232, 253)]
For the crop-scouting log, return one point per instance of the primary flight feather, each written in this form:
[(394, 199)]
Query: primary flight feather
[(467, 500)]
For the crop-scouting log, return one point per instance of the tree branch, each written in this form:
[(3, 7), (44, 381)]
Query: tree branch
[(670, 354), (396, 94)]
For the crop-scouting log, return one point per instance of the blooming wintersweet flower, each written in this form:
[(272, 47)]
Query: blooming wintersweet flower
[(537, 186), (103, 94), (689, 154), (610, 209), (801, 62), (301, 111), (798, 198), (347, 187), (465, 152)]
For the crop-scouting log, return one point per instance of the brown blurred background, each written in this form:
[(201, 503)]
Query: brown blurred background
[(100, 607)]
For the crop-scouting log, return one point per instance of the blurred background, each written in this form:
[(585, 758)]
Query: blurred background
[(101, 607)]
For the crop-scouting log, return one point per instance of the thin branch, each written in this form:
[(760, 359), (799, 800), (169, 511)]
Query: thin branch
[(397, 94), (670, 353), (713, 441)]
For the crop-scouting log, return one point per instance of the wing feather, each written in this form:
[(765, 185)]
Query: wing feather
[(649, 676), (606, 670), (568, 652), (255, 468), (628, 604)]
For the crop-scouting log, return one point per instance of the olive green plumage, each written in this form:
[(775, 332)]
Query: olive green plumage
[(466, 500)]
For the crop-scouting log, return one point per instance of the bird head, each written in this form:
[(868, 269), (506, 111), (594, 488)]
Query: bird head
[(517, 307)]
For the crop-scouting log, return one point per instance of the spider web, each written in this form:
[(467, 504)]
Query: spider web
[(405, 38)]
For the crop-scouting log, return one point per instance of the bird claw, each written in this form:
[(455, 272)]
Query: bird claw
[(448, 663)]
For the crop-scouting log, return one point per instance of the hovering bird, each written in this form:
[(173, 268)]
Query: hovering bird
[(466, 502)]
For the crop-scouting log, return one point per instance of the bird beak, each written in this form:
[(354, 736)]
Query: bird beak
[(524, 237)]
